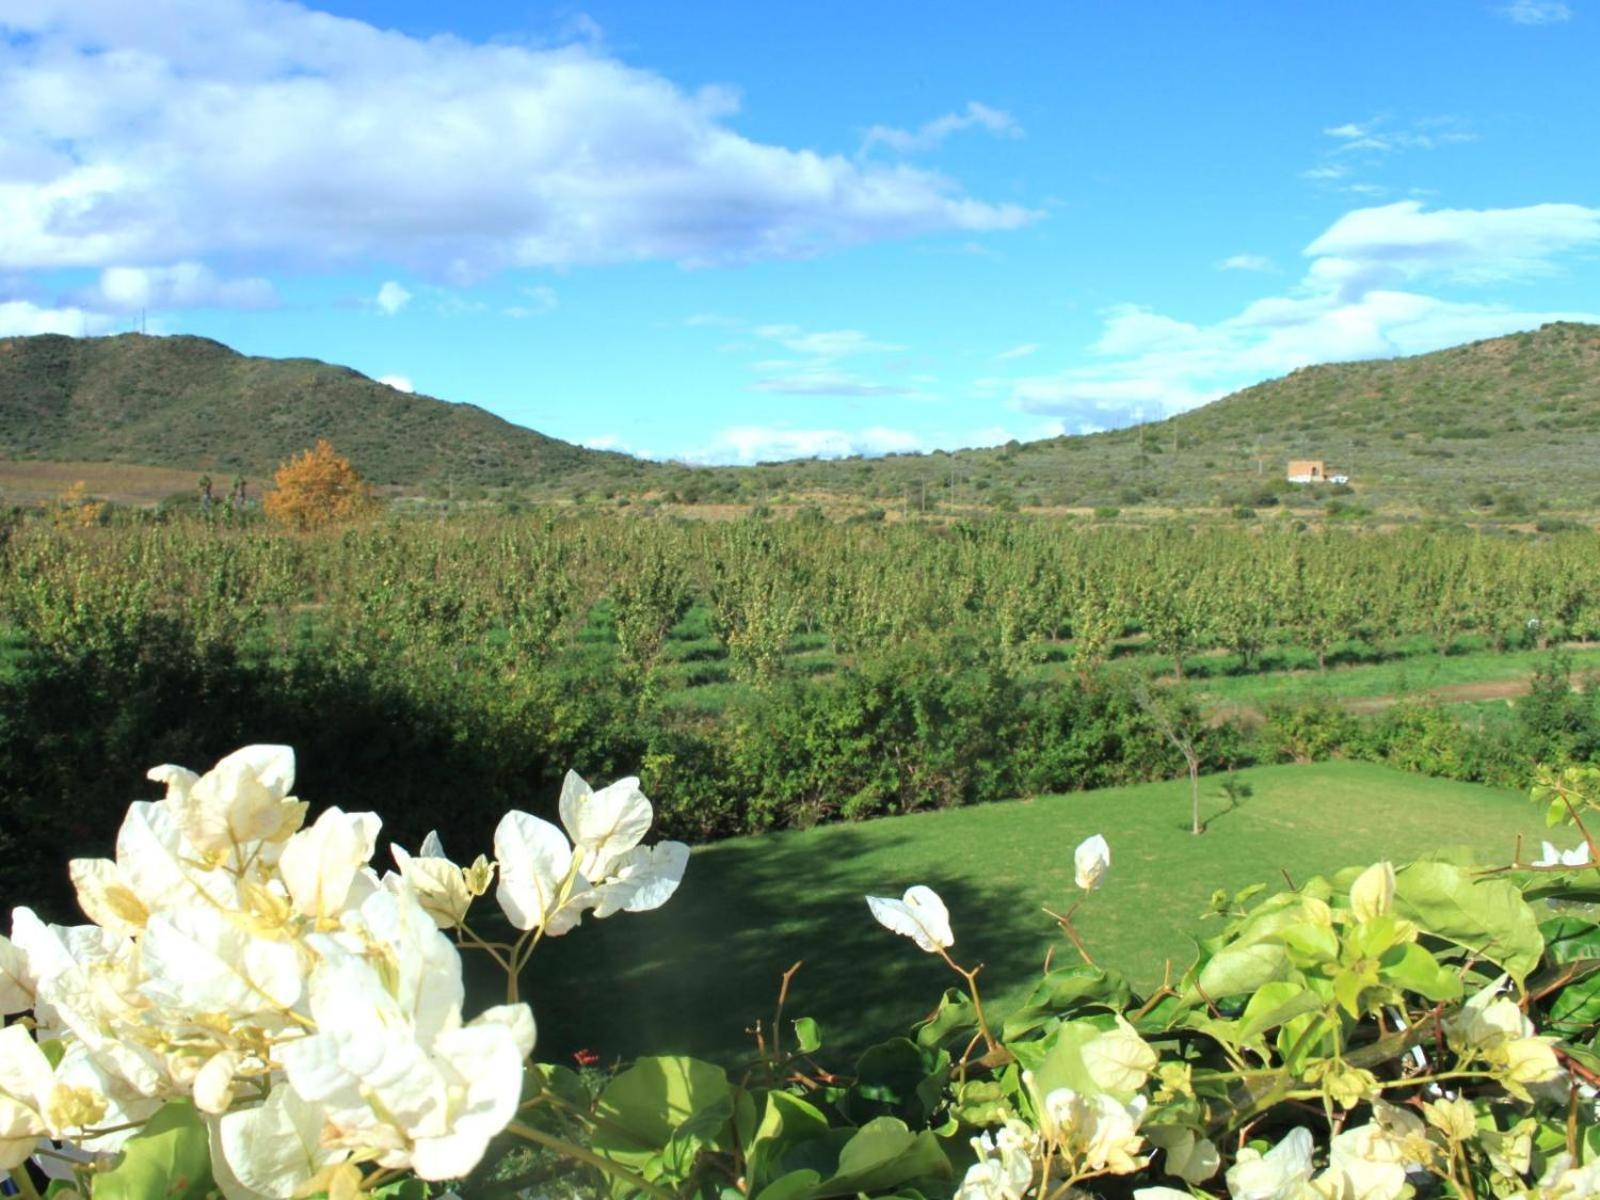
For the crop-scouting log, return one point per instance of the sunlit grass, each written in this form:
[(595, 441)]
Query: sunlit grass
[(694, 975)]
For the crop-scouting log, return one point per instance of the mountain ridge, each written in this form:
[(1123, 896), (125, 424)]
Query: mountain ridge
[(1512, 419), (192, 402)]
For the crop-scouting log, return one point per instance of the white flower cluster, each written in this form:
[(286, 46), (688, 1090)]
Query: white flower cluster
[(1079, 1135), (310, 1009)]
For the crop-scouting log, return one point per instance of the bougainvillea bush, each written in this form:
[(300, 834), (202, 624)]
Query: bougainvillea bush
[(256, 1011)]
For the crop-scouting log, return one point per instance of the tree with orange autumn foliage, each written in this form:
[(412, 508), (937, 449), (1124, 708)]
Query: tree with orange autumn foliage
[(318, 487)]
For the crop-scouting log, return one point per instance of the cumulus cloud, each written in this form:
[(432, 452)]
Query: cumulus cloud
[(764, 443), (400, 383), (931, 134), (1356, 300), (262, 130), (1404, 241), (391, 298), (181, 285), (1246, 262), (23, 318), (1536, 12)]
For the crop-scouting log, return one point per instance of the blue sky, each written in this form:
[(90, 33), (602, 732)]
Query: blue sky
[(726, 233)]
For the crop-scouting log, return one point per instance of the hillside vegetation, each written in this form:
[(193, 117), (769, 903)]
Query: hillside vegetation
[(1498, 426), (189, 402), (1503, 428)]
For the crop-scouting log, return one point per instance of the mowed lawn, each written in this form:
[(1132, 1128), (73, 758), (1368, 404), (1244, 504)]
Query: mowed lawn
[(691, 977), (1411, 675)]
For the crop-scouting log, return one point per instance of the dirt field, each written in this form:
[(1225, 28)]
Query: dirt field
[(31, 482)]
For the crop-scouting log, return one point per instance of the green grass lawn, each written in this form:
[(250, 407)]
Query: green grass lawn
[(1412, 674), (692, 976)]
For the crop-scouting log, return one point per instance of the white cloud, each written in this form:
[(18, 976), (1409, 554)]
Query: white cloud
[(1536, 12), (391, 298), (710, 320), (22, 318), (827, 383), (610, 441), (1370, 142), (1356, 300), (1402, 241), (540, 300), (765, 443), (931, 134), (400, 383), (1379, 136), (266, 132), (181, 285), (816, 372), (1246, 262), (826, 344), (1021, 351)]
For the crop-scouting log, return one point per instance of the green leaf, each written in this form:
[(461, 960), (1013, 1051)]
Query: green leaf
[(660, 1100), (1577, 1008), (402, 1189), (169, 1159), (1347, 988), (808, 1036), (1488, 916), (890, 1073), (796, 1185), (1415, 970), (1274, 1005), (1567, 939), (1064, 992), (787, 1122), (955, 1013), (558, 1080), (983, 1102), (1314, 943), (885, 1154), (1060, 1060), (1235, 970)]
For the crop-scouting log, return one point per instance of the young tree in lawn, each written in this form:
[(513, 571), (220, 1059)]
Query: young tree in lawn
[(1171, 711)]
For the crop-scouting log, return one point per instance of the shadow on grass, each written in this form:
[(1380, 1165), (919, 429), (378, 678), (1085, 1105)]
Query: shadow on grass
[(694, 976)]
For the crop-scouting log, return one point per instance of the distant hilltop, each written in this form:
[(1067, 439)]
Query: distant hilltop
[(190, 402), (1507, 423)]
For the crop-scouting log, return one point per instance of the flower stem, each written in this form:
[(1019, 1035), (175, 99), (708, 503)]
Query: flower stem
[(990, 1045), (24, 1182), (1065, 921), (583, 1155)]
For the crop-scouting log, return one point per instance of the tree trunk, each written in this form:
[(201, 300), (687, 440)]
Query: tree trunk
[(1194, 792)]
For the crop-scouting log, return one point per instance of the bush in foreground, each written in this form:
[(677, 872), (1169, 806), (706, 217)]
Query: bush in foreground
[(255, 1010)]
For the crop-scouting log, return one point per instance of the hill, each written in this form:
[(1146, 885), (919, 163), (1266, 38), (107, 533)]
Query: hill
[(194, 404), (1504, 426)]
